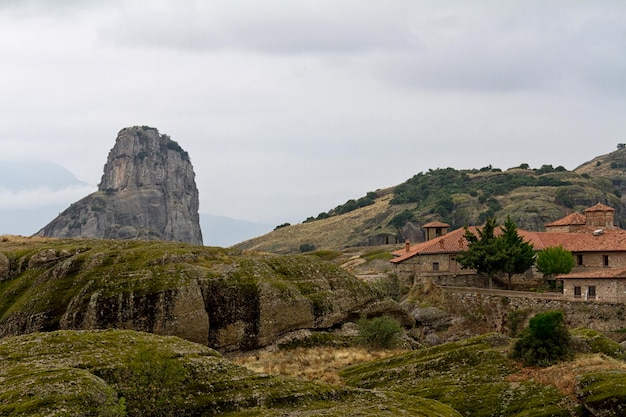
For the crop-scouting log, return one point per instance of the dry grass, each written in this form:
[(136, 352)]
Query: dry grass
[(316, 364), (564, 375), (7, 242), (335, 232)]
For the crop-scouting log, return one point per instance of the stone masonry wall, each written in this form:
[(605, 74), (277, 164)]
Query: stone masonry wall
[(496, 312)]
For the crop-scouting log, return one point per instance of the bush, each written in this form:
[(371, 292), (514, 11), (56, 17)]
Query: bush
[(544, 342), (307, 247), (380, 332), (151, 384), (280, 226)]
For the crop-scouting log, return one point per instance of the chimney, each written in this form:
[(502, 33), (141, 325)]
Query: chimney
[(407, 245)]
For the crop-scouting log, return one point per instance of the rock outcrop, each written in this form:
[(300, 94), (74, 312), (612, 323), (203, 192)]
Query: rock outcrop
[(148, 191), (119, 373), (213, 296)]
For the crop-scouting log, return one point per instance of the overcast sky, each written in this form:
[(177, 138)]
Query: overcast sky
[(290, 108)]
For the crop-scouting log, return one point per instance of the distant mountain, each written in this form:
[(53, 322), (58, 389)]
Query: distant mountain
[(225, 231), (531, 197), (18, 175), (33, 192)]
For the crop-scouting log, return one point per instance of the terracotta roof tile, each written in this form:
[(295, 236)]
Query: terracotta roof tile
[(604, 273), (599, 207), (581, 241), (577, 219), (436, 223)]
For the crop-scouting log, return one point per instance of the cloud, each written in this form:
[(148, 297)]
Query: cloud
[(275, 27), (43, 196)]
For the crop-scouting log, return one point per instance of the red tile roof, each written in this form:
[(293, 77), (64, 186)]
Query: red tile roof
[(436, 223), (604, 273), (577, 219), (582, 241), (599, 207)]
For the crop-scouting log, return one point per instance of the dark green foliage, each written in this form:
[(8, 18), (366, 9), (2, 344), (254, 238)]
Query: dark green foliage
[(555, 260), (307, 247), (151, 384), (489, 254), (435, 190), (518, 254), (280, 226), (483, 253), (380, 332), (402, 218), (440, 182), (176, 147), (545, 169), (544, 342), (352, 205), (347, 207), (515, 319)]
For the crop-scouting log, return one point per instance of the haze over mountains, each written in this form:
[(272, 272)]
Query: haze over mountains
[(33, 192), (30, 198)]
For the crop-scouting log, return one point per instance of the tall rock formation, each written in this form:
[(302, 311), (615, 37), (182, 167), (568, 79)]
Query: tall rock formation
[(147, 191)]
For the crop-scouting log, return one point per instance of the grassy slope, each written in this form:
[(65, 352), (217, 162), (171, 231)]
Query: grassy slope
[(87, 373), (333, 233), (529, 206), (476, 378)]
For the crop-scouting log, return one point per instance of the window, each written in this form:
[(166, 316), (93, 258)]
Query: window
[(605, 260), (591, 292), (438, 231), (579, 260), (435, 266), (577, 292)]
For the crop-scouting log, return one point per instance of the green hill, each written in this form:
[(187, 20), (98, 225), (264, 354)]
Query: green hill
[(127, 373), (531, 197)]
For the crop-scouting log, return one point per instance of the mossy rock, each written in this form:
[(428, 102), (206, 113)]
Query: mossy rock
[(220, 297), (123, 372), (603, 392), (590, 341), (471, 376)]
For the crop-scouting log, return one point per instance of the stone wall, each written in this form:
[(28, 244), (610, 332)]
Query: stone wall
[(498, 312), (606, 289)]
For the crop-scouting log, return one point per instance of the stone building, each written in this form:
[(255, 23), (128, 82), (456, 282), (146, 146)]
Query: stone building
[(597, 244)]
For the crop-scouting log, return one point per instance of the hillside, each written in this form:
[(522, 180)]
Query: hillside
[(214, 296), (531, 197), (128, 373)]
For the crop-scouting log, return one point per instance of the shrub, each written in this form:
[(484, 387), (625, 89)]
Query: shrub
[(515, 320), (402, 218), (380, 332), (544, 342), (307, 247), (151, 384)]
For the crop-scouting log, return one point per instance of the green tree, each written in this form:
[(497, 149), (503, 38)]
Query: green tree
[(380, 332), (484, 253), (544, 342), (519, 255), (554, 260), (489, 254)]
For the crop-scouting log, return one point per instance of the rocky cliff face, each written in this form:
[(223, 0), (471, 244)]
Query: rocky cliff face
[(212, 296), (148, 191)]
